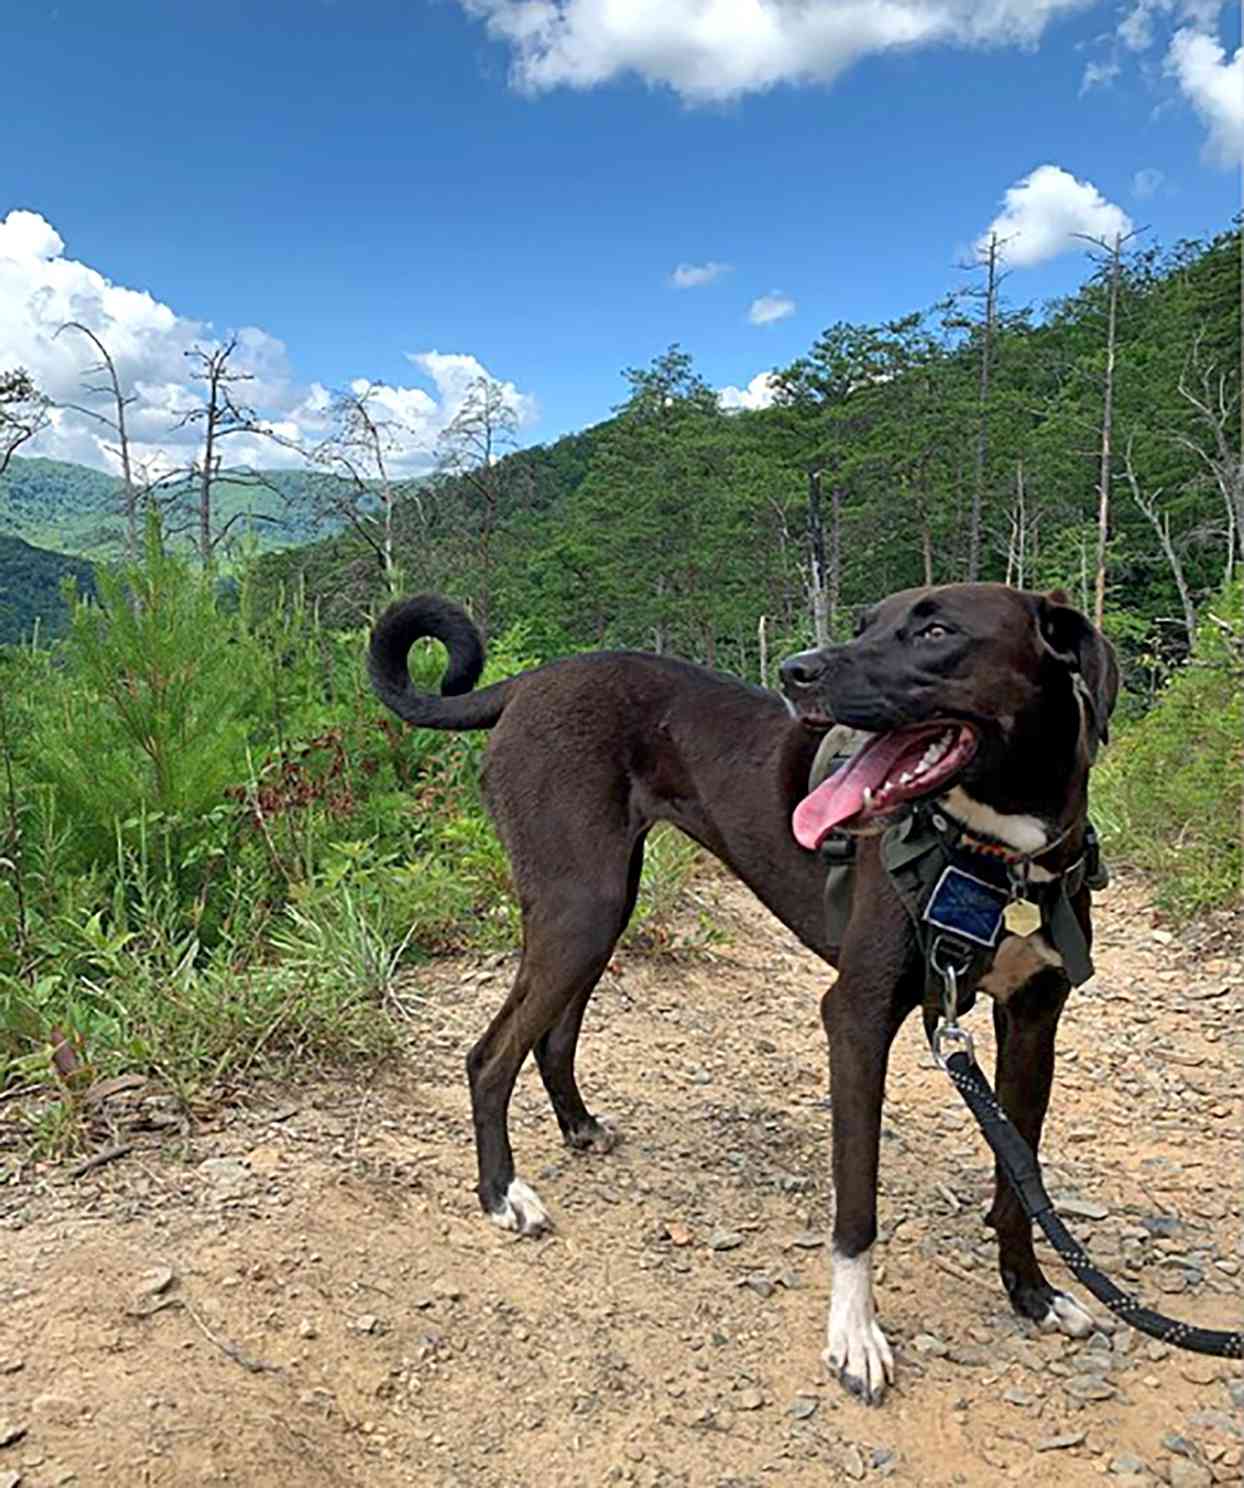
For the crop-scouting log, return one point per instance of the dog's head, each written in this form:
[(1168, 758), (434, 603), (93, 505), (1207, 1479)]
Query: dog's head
[(1002, 692)]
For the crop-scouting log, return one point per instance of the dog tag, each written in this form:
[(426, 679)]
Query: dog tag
[(1022, 917)]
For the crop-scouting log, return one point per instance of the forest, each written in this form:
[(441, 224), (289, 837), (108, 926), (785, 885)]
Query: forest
[(216, 851), (965, 442)]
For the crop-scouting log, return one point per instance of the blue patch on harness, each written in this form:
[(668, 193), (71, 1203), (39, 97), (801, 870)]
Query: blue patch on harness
[(967, 906)]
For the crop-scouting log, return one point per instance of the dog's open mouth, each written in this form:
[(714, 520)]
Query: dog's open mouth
[(891, 768)]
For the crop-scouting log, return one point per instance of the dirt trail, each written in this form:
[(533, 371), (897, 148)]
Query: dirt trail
[(339, 1314)]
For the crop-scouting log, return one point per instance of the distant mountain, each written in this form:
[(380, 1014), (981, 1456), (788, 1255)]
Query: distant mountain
[(31, 602), (76, 509)]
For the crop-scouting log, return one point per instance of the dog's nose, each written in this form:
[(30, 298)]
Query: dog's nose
[(801, 671)]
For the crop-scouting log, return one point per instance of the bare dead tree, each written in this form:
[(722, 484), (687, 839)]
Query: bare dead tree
[(818, 571), (1213, 394), (1017, 554), (1112, 271), (221, 415), (470, 450), (361, 489), (23, 413), (131, 489), (1147, 503), (989, 258)]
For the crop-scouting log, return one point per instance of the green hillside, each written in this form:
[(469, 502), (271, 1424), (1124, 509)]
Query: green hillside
[(77, 509), (31, 602)]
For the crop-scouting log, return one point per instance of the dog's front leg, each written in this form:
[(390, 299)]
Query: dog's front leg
[(861, 1013)]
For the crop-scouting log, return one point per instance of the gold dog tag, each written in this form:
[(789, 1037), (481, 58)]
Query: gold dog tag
[(1022, 917)]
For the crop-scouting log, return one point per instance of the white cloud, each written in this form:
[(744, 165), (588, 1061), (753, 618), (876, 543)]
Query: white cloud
[(453, 375), (1209, 80), (1147, 181), (1042, 213), (691, 276), (759, 393), (1215, 88), (1136, 29), (41, 289), (770, 307), (710, 50), (1098, 75)]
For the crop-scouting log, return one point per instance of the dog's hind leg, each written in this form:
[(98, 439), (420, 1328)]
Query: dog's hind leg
[(568, 937), (1025, 1025), (555, 1050)]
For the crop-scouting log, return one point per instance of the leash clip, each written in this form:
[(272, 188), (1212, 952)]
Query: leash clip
[(948, 959)]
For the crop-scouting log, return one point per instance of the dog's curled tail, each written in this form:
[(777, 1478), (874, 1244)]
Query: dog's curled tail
[(409, 620)]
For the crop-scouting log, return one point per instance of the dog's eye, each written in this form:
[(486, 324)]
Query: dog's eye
[(934, 632)]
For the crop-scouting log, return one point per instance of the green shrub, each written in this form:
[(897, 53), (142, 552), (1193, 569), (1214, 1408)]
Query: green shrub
[(216, 848), (1168, 791)]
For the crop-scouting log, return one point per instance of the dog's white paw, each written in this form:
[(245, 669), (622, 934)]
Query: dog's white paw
[(1067, 1316), (858, 1354), (521, 1210)]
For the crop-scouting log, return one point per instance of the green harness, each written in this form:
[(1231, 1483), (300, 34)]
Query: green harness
[(916, 853)]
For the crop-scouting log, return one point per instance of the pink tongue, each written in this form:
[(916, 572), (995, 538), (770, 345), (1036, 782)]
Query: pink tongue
[(842, 795)]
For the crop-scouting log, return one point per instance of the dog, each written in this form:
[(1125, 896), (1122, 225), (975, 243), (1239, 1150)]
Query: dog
[(988, 700)]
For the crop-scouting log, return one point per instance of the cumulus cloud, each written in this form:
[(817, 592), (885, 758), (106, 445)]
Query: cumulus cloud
[(692, 276), (1214, 86), (1042, 213), (708, 50), (41, 289), (1209, 80), (759, 393), (770, 307), (1147, 181), (1098, 75), (453, 375), (1137, 28)]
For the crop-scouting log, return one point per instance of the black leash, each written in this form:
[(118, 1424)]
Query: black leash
[(1018, 1161)]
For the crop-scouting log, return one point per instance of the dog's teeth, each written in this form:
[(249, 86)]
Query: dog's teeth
[(868, 796), (907, 777)]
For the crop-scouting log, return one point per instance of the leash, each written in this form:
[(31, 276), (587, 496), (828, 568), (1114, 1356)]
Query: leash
[(1023, 1172)]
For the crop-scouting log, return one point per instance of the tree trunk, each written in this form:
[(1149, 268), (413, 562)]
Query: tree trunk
[(205, 486), (1107, 420), (816, 541), (982, 428), (1161, 525)]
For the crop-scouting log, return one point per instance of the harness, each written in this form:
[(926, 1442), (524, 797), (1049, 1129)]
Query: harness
[(960, 892)]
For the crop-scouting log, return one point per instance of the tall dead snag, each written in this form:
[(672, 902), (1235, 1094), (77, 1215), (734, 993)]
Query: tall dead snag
[(362, 490), (1147, 503), (220, 415), (822, 575), (23, 413), (1214, 397), (111, 389), (1112, 272), (989, 261), (470, 450), (1018, 557)]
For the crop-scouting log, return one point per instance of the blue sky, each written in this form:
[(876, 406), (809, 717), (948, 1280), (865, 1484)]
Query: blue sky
[(369, 184)]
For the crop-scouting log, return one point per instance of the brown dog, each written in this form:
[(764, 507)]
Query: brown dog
[(990, 700)]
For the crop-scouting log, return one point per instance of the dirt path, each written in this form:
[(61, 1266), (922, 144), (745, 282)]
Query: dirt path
[(338, 1313)]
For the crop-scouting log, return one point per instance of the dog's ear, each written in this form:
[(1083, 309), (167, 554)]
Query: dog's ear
[(1076, 641)]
